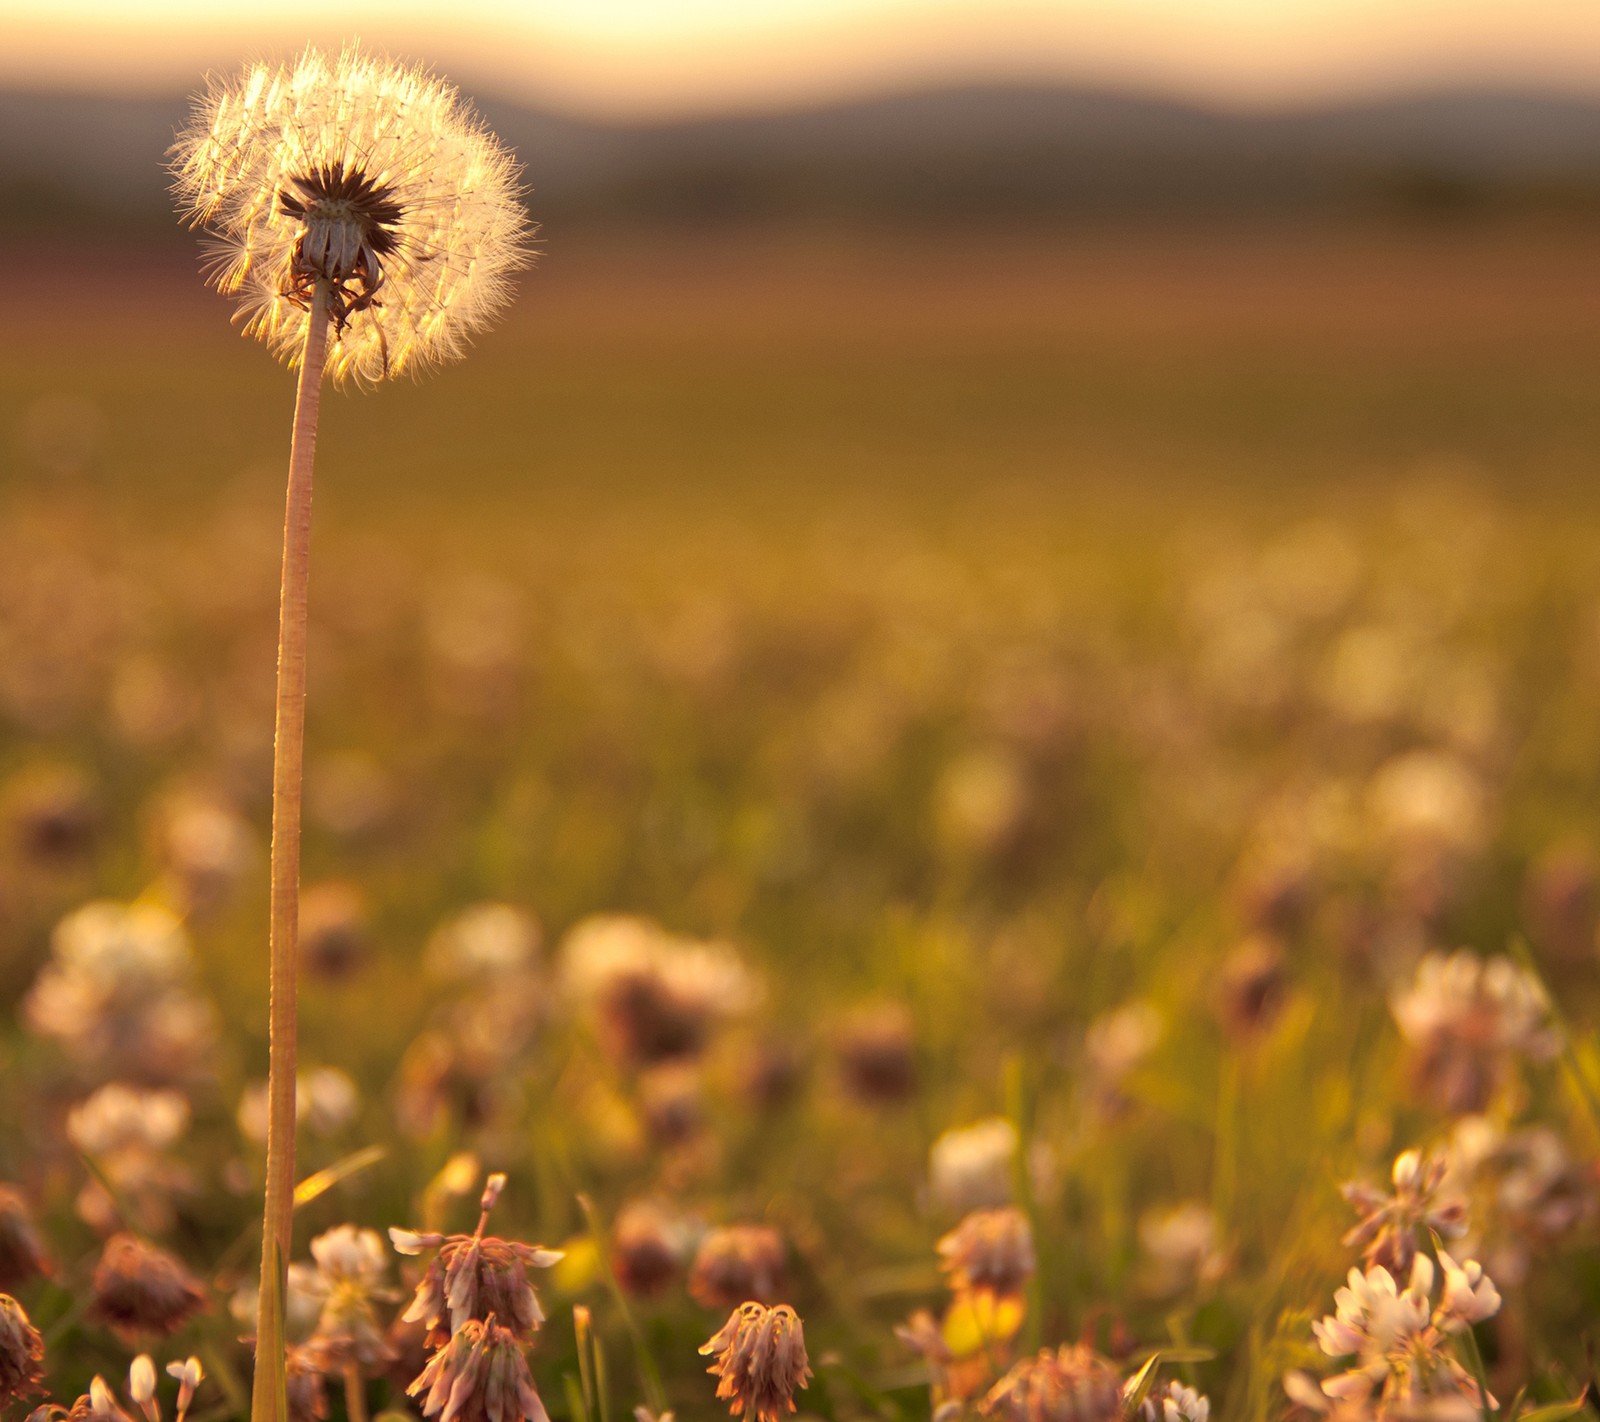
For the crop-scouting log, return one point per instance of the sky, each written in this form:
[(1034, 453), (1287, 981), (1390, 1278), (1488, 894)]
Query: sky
[(641, 58)]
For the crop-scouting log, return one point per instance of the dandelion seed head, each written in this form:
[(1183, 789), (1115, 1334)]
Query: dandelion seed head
[(372, 178)]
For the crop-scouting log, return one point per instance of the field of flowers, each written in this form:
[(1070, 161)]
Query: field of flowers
[(1037, 813)]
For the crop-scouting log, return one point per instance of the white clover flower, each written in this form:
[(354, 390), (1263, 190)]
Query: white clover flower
[(970, 1167), (348, 1255), (1184, 1404), (1374, 1315), (372, 179), (1469, 1295)]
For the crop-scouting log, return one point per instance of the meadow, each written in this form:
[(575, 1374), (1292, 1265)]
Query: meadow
[(1069, 687)]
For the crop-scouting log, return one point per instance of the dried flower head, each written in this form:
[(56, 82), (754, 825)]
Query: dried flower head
[(735, 1264), (877, 1054), (372, 179), (1392, 1226), (760, 1355), (648, 1247), (21, 1353), (335, 935), (140, 1290), (990, 1251), (474, 1276), (306, 1394), (479, 1375), (1467, 1019), (1071, 1384), (23, 1255)]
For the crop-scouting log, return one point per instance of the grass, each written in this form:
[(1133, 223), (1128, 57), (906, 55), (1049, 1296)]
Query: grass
[(951, 625)]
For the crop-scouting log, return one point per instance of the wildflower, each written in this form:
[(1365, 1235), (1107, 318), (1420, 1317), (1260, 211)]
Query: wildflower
[(877, 1055), (141, 1290), (326, 1101), (1115, 1045), (1539, 1194), (656, 997), (1390, 1226), (484, 942), (480, 1374), (648, 1246), (760, 1360), (474, 1276), (1252, 989), (735, 1264), (1467, 1019), (990, 1251), (970, 1168), (373, 179), (127, 1132), (1182, 1246), (305, 1392), (23, 1255), (1184, 1404), (205, 846), (21, 1353), (335, 937), (99, 1404), (142, 1386), (1397, 1340), (351, 1265), (118, 993), (50, 813), (189, 1375), (1071, 1384)]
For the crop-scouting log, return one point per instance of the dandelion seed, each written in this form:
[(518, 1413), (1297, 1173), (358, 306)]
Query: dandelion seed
[(372, 180)]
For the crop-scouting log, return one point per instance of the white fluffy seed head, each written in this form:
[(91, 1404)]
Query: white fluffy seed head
[(372, 177)]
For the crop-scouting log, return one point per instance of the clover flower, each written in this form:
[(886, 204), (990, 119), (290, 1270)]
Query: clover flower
[(480, 1374), (119, 994), (128, 1134), (648, 1246), (736, 1263), (372, 178), (760, 1361), (350, 1279), (1397, 1340), (1392, 1226), (970, 1167), (1070, 1384), (139, 1290), (990, 1251), (473, 1276), (21, 1352), (23, 1255), (1467, 1019)]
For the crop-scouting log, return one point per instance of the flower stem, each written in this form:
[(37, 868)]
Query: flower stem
[(268, 1397), (355, 1393)]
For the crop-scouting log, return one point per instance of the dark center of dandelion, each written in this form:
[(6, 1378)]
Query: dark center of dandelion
[(348, 224)]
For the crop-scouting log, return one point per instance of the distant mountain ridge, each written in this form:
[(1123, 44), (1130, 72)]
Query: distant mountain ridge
[(967, 151)]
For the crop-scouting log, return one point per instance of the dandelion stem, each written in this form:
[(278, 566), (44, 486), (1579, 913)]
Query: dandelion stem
[(288, 756)]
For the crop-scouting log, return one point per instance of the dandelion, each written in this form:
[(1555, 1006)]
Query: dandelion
[(760, 1361), (368, 224)]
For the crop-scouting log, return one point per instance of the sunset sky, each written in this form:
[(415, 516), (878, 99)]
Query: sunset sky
[(658, 56)]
